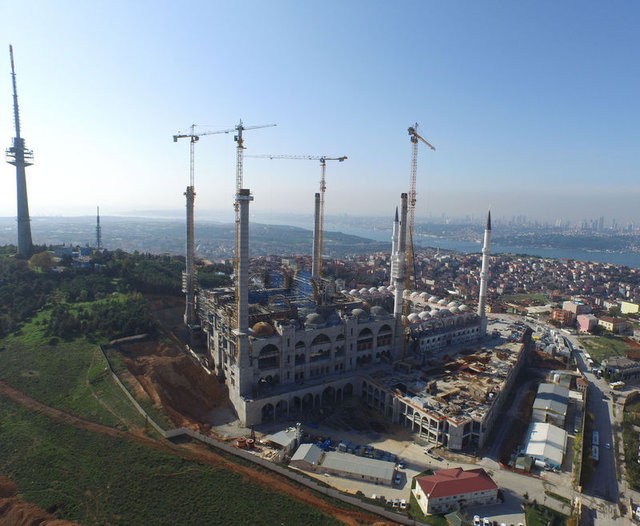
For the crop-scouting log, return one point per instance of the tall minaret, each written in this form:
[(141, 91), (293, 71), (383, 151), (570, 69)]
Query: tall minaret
[(244, 378), (394, 247), (398, 279), (484, 276), (20, 157), (98, 231), (317, 233)]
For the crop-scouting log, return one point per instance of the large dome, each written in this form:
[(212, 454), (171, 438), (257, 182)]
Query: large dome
[(413, 317)]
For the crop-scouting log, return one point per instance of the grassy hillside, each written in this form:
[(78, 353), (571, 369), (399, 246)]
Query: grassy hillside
[(95, 479)]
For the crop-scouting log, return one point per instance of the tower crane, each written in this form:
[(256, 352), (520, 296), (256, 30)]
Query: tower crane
[(188, 278), (240, 150), (414, 137), (193, 139), (316, 271)]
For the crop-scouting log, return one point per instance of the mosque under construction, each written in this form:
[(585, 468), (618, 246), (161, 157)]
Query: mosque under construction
[(304, 346)]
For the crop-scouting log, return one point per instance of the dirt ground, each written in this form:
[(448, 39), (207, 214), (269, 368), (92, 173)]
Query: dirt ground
[(173, 381)]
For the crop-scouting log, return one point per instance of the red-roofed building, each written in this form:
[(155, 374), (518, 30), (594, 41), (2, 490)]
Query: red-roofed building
[(451, 489)]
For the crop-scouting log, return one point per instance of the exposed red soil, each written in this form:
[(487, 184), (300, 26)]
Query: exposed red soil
[(173, 380)]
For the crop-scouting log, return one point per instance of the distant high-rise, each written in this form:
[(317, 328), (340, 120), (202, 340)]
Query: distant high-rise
[(20, 157)]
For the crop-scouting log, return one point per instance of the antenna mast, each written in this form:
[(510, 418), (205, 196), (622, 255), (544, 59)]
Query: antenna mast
[(98, 231), (20, 157)]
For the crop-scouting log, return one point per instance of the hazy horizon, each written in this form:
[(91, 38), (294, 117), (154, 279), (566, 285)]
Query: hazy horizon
[(532, 108)]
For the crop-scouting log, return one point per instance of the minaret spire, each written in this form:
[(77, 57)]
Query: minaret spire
[(484, 276), (394, 248), (20, 157)]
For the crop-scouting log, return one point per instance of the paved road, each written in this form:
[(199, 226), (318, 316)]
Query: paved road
[(603, 482)]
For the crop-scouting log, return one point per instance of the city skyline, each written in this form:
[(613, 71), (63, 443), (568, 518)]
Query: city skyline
[(532, 109)]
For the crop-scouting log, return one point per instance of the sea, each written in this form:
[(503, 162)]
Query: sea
[(629, 259)]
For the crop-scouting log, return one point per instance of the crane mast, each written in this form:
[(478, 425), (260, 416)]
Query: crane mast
[(188, 276), (316, 270), (414, 137)]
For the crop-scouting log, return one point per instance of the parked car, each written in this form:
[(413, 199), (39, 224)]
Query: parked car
[(397, 479), (395, 503), (403, 504), (476, 520)]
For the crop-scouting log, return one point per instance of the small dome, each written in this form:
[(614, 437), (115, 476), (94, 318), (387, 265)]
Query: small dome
[(424, 315), (434, 313), (463, 308), (423, 295), (262, 329), (442, 302), (444, 312), (345, 292), (390, 288), (433, 299), (377, 310), (413, 295), (363, 290), (382, 289), (413, 317), (373, 290), (357, 313), (452, 304), (314, 319), (454, 310)]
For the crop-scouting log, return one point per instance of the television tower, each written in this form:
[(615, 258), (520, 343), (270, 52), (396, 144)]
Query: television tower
[(20, 157), (98, 231)]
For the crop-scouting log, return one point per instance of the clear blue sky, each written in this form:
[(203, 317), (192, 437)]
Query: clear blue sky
[(533, 106)]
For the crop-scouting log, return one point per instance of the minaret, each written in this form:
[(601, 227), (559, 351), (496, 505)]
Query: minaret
[(243, 379), (394, 247), (317, 250), (399, 270), (189, 278), (484, 276), (20, 157), (98, 231)]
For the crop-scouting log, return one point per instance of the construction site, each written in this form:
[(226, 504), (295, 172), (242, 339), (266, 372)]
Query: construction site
[(287, 344)]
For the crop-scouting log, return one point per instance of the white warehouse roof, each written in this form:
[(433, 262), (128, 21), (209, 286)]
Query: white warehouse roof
[(356, 465), (546, 442), (309, 453)]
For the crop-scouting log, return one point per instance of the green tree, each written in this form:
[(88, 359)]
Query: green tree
[(42, 261)]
